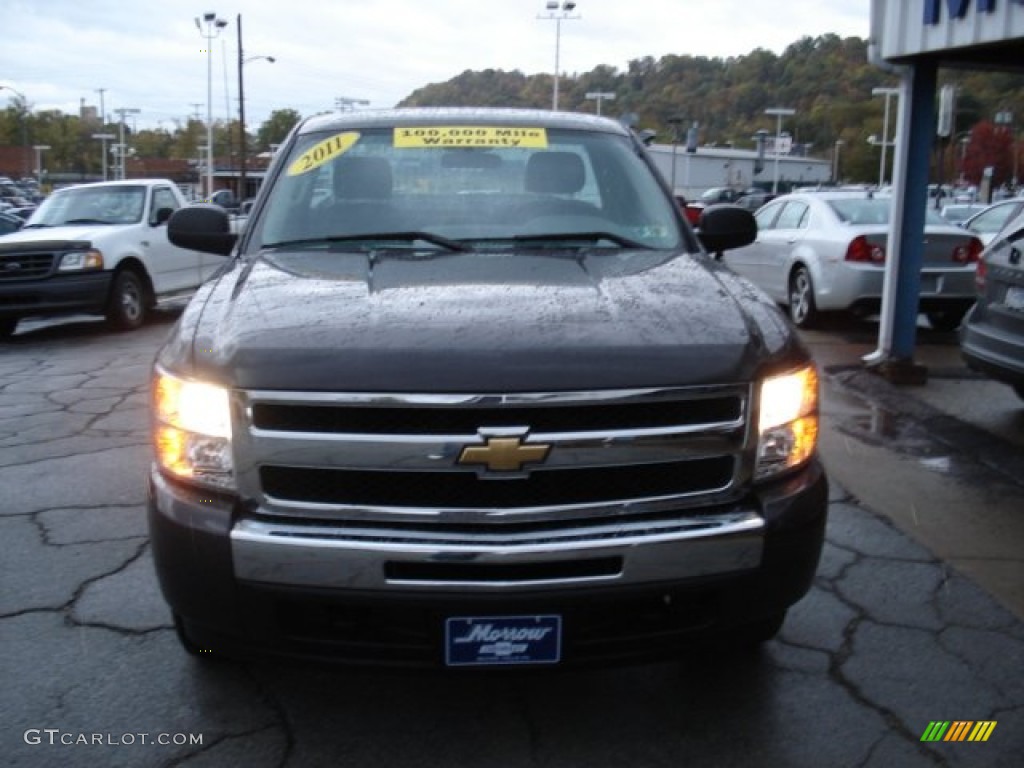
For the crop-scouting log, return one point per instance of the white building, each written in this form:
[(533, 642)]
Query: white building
[(695, 172)]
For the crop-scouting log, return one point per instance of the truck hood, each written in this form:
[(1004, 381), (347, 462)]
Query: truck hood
[(479, 322), (79, 233)]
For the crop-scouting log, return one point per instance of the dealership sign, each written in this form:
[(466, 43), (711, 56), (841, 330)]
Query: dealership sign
[(908, 28), (958, 8)]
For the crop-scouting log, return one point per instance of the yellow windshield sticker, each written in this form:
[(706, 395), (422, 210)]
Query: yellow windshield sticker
[(470, 136), (326, 150)]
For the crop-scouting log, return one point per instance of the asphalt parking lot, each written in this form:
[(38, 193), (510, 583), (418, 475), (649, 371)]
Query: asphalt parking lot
[(906, 625)]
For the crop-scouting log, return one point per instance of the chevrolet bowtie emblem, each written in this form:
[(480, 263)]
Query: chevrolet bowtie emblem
[(504, 454)]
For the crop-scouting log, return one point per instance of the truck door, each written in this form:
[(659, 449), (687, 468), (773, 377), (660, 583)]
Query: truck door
[(171, 268)]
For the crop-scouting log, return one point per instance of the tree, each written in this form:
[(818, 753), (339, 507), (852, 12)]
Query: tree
[(187, 140), (989, 146), (276, 128)]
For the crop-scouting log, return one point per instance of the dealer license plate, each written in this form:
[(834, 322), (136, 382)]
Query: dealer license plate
[(498, 640), (1015, 298)]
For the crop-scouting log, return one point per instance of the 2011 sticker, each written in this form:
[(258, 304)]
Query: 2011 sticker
[(418, 137), (323, 152)]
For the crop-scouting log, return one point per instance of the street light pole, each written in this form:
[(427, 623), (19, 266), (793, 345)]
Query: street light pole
[(347, 104), (558, 11), (675, 122), (779, 113), (600, 96), (213, 27), (963, 139), (1004, 121), (835, 161), (40, 148), (104, 138), (122, 146)]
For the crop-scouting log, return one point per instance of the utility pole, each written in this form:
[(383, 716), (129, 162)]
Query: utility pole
[(241, 116), (103, 112), (103, 136), (122, 154)]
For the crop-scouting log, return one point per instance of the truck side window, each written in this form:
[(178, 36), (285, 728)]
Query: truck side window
[(162, 198)]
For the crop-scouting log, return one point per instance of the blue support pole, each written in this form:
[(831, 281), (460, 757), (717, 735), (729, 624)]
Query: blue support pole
[(911, 244)]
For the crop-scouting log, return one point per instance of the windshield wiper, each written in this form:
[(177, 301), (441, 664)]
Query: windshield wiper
[(588, 237), (376, 237), (87, 221)]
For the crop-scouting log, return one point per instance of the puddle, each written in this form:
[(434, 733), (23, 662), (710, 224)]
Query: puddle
[(893, 431), (877, 426), (940, 464)]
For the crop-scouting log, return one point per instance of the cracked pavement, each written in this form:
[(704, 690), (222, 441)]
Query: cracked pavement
[(890, 637)]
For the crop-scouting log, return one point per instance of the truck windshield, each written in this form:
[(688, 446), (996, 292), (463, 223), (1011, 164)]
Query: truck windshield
[(471, 184), (119, 204)]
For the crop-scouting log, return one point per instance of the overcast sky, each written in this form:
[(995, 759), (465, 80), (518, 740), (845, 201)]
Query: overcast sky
[(149, 54)]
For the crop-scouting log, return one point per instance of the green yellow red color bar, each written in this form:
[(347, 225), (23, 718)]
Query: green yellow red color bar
[(958, 730)]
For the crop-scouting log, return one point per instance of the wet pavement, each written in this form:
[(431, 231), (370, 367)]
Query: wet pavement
[(913, 617), (943, 462)]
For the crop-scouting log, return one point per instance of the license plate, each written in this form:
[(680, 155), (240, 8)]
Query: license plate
[(1015, 298), (502, 640)]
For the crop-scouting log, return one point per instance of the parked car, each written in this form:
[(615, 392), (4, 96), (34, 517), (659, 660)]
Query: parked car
[(719, 195), (958, 213), (987, 223), (10, 223), (98, 249), (992, 335), (238, 219), (226, 199), (753, 201), (825, 251), (469, 391), (14, 194), (712, 196)]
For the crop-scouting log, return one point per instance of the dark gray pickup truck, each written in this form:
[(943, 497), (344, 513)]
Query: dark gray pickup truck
[(469, 391)]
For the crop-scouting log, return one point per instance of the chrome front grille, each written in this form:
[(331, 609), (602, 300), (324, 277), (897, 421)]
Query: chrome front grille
[(469, 490), (434, 420), (394, 459)]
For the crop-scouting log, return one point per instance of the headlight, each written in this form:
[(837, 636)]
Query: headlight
[(77, 261), (788, 422), (192, 430)]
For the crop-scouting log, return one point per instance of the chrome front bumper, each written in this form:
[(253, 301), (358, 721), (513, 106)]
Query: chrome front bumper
[(625, 553)]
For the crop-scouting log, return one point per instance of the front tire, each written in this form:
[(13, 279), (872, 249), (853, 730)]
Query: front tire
[(802, 309), (126, 308)]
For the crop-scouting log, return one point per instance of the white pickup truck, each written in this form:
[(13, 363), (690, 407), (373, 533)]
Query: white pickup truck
[(98, 249)]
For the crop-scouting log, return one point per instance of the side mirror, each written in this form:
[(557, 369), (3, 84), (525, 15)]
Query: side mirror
[(162, 216), (202, 227), (724, 227)]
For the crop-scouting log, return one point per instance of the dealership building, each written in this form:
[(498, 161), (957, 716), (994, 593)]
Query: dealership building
[(691, 172)]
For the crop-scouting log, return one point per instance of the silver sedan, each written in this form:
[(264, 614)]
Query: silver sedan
[(825, 251), (989, 221)]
